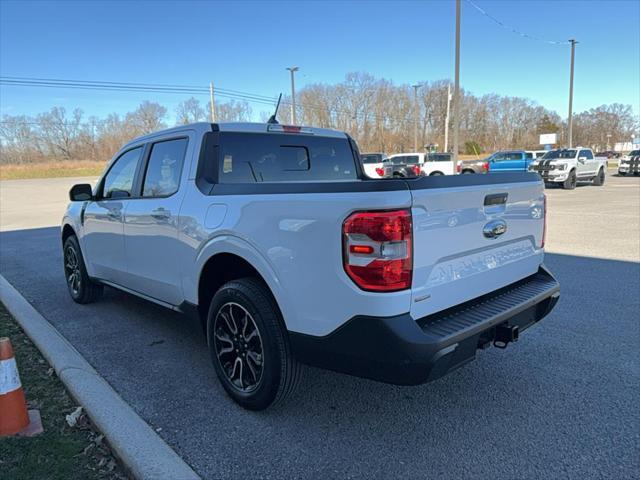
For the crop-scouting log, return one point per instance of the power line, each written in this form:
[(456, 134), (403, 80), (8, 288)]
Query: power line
[(175, 89), (513, 29)]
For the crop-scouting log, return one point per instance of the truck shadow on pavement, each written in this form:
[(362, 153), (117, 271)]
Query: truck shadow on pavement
[(560, 402)]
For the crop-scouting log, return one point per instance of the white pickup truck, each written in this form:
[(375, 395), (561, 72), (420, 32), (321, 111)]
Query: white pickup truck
[(273, 237), (568, 166), (430, 164)]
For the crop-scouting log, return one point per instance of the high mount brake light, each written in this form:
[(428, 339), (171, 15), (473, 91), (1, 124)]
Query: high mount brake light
[(288, 129), (377, 250)]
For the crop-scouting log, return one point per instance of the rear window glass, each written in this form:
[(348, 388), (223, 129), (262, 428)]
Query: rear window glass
[(439, 157), (371, 158), (259, 157)]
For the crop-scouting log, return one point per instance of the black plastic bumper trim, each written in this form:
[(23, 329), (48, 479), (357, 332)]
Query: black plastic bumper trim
[(404, 351)]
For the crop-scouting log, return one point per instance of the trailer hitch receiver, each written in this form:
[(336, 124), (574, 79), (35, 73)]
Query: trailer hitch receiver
[(504, 335)]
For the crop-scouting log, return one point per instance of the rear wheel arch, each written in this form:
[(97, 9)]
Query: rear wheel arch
[(220, 269), (437, 172)]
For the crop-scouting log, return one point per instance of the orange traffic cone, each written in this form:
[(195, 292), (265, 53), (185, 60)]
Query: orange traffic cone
[(14, 417)]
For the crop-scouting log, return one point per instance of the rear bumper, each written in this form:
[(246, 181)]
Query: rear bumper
[(403, 351)]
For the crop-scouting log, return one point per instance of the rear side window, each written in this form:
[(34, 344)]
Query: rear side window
[(119, 180), (164, 168), (258, 157)]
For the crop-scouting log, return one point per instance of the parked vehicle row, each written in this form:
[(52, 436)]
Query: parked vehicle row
[(564, 167), (630, 164), (272, 237)]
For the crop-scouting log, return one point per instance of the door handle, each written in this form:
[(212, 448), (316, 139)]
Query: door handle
[(160, 213)]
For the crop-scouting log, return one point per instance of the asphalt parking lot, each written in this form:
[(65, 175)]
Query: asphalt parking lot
[(562, 402)]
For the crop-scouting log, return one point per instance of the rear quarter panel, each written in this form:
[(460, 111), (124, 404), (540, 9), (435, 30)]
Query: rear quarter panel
[(295, 242)]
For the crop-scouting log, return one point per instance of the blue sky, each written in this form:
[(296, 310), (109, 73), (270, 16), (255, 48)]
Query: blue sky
[(247, 45)]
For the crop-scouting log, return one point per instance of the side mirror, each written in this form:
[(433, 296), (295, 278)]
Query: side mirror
[(80, 192), (582, 159)]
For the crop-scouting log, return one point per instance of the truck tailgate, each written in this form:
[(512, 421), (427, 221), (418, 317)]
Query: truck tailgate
[(473, 234)]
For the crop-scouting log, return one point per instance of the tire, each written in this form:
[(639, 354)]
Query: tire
[(467, 172), (81, 288), (598, 180), (433, 174), (262, 370), (571, 181), (622, 174)]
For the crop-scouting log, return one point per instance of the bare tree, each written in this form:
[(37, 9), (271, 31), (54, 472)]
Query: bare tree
[(190, 111), (147, 118)]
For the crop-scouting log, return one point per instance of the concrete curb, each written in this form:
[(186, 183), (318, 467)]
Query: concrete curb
[(141, 450)]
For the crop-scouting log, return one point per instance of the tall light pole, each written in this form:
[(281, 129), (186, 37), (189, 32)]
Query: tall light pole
[(446, 119), (293, 94), (570, 118), (415, 117), (456, 89)]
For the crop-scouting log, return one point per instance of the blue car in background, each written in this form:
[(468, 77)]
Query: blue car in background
[(509, 161)]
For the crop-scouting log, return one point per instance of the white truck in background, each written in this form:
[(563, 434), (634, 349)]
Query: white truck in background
[(429, 163), (373, 164), (568, 166)]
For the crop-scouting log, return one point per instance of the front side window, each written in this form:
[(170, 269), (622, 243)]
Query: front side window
[(164, 168), (118, 182), (259, 157)]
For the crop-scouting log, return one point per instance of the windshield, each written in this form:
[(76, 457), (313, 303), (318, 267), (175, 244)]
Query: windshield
[(564, 153), (371, 158), (633, 153)]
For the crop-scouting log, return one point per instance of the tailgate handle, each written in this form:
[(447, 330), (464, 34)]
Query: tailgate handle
[(495, 199)]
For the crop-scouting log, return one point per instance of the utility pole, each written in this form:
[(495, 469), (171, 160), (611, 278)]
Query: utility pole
[(456, 89), (446, 121), (570, 118), (293, 94), (415, 117), (213, 108)]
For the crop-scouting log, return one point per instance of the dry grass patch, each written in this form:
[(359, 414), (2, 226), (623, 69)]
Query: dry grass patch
[(70, 168)]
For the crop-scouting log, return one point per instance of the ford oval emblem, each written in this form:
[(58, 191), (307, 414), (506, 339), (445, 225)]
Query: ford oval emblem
[(494, 229)]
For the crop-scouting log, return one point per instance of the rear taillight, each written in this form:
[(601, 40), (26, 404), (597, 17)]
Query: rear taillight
[(458, 168), (416, 170), (377, 250), (485, 166), (380, 171), (544, 222)]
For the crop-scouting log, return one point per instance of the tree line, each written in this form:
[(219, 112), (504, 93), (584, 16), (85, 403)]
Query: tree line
[(377, 113)]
